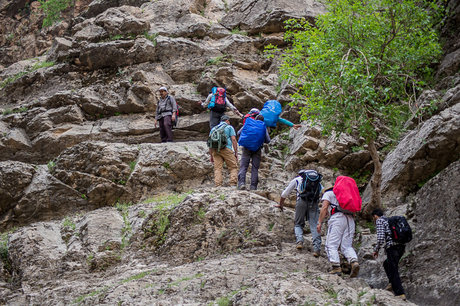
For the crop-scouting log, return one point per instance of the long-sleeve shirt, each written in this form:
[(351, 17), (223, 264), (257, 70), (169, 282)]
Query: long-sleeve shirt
[(295, 183), (166, 107), (284, 121), (383, 234), (227, 102)]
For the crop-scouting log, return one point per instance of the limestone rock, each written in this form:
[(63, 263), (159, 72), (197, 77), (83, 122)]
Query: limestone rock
[(255, 16), (420, 154), (437, 214)]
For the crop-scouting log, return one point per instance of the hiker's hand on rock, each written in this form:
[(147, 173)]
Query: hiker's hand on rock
[(297, 126)]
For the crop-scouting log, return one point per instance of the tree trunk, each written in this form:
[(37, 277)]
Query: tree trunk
[(376, 180)]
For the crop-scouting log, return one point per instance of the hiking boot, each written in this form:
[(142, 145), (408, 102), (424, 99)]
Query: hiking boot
[(354, 269), (336, 270), (299, 245), (241, 187), (402, 297), (389, 287), (316, 253)]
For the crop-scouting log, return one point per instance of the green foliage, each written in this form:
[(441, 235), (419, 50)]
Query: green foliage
[(126, 231), (69, 224), (239, 32), (16, 110), (4, 250), (52, 10), (360, 69), (132, 165), (370, 225), (200, 214), (216, 61), (332, 293), (152, 37), (18, 75), (51, 164)]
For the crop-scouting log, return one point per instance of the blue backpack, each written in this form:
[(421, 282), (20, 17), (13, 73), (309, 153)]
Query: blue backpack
[(252, 135), (271, 112)]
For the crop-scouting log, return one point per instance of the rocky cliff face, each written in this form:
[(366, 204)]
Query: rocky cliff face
[(93, 210)]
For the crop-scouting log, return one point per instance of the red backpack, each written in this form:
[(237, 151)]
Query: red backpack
[(252, 115), (347, 194), (218, 99)]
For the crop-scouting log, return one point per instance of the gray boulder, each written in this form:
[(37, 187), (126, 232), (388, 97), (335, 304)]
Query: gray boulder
[(421, 154), (268, 16)]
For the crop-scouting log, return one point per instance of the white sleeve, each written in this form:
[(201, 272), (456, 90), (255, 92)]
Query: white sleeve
[(289, 188)]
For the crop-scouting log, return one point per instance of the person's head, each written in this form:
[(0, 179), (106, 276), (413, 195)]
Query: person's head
[(254, 110), (377, 213), (225, 118), (259, 117), (163, 91)]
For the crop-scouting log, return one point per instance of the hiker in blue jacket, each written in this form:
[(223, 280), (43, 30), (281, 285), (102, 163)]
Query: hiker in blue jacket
[(252, 151), (218, 109)]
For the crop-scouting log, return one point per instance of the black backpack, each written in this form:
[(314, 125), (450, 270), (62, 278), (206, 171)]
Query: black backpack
[(400, 229), (310, 186)]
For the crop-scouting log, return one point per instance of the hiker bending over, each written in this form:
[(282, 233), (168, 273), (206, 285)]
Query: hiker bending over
[(223, 148), (218, 102), (393, 250), (308, 188), (252, 137), (166, 114), (339, 234), (271, 112)]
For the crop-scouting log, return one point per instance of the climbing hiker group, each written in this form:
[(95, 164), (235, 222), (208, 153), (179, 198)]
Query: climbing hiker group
[(337, 204)]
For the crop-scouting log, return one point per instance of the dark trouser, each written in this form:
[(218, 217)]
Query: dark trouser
[(246, 156), (394, 254), (303, 210), (166, 129), (214, 118)]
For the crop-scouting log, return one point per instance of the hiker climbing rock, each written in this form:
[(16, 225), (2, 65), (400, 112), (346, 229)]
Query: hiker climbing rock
[(308, 187), (217, 102), (252, 136), (393, 249), (223, 148), (340, 202), (271, 112), (166, 114)]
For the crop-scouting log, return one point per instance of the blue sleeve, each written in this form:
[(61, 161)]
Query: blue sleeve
[(230, 131), (284, 121)]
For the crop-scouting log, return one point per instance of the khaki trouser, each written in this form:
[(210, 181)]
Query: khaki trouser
[(229, 157)]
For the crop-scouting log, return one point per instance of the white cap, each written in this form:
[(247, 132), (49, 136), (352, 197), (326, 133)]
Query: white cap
[(163, 88)]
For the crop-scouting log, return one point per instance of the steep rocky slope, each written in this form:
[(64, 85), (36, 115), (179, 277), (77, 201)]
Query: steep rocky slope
[(94, 211)]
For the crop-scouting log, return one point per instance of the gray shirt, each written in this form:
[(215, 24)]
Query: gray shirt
[(166, 107)]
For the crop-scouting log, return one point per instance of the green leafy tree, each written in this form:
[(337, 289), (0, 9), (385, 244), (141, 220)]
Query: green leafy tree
[(359, 70), (52, 10)]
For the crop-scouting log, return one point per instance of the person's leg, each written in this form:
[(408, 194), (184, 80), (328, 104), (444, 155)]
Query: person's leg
[(333, 239), (347, 239), (214, 118), (232, 165), (167, 123), (299, 219), (256, 158), (163, 135), (394, 254), (218, 165), (244, 164), (313, 216)]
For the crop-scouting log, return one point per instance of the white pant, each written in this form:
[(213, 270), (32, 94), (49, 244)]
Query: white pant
[(340, 233)]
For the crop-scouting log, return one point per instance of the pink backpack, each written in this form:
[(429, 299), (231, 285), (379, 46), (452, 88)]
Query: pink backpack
[(347, 194)]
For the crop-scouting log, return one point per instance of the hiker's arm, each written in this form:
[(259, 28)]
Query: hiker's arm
[(286, 193), (267, 137), (210, 154), (206, 102), (232, 107), (380, 229), (322, 214), (281, 205), (174, 108), (235, 146)]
